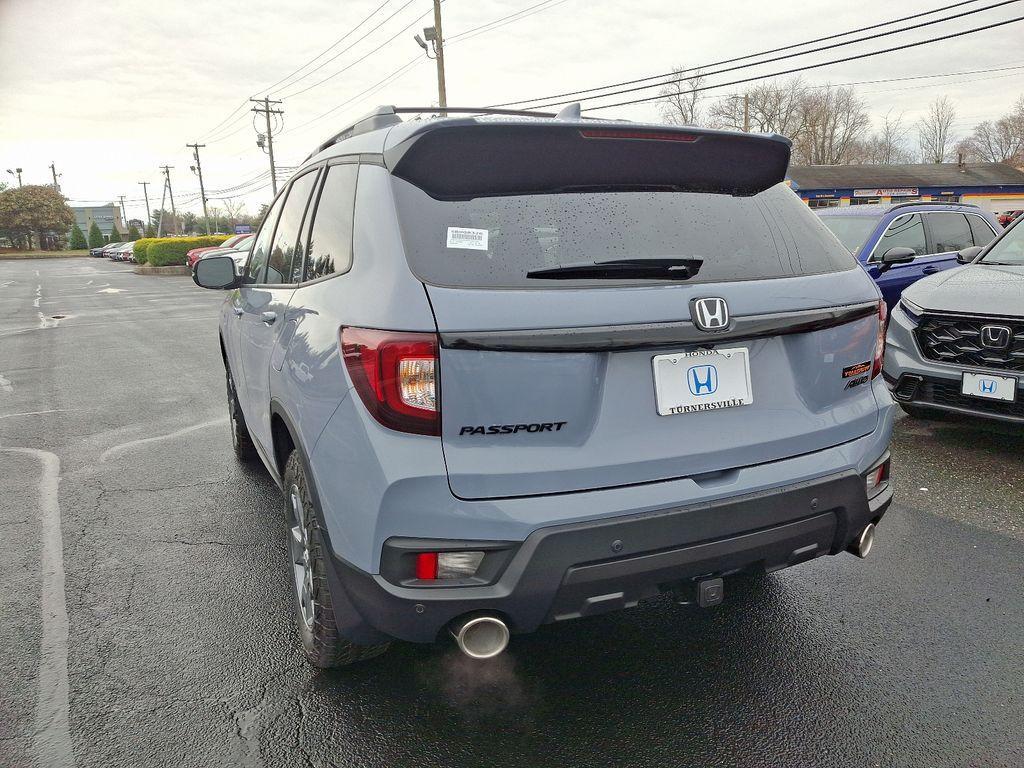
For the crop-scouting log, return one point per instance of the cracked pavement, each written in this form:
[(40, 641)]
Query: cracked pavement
[(181, 650)]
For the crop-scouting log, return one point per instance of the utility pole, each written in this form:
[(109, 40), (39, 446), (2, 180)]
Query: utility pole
[(267, 112), (145, 192), (746, 113), (124, 216), (53, 170), (202, 190), (442, 95), (167, 191)]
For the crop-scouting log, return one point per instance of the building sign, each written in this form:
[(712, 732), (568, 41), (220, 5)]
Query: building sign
[(892, 192), (243, 229)]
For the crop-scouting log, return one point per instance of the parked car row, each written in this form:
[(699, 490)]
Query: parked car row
[(718, 402), (118, 251), (232, 242)]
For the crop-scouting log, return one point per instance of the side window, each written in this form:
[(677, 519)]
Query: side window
[(950, 231), (330, 239), (905, 231), (261, 248), (287, 236), (983, 234)]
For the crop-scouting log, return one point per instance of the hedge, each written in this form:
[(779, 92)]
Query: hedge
[(140, 248), (167, 251)]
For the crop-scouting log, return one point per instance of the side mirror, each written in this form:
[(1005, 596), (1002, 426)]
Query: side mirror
[(896, 255), (968, 255), (215, 272)]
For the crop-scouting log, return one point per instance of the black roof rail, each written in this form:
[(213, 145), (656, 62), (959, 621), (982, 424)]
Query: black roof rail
[(386, 115), (912, 203)]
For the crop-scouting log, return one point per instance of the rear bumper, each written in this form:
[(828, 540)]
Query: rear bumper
[(580, 569)]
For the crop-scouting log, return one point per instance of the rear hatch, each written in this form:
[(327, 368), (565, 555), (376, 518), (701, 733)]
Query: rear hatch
[(630, 307)]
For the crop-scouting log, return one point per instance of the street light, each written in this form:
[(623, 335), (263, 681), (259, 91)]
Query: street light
[(435, 37), (16, 172)]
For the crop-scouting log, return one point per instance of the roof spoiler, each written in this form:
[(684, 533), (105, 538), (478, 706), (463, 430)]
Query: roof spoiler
[(463, 159)]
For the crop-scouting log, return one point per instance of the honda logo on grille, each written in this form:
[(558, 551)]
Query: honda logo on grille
[(996, 336), (711, 314)]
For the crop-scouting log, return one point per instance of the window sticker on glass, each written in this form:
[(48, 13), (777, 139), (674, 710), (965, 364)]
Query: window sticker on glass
[(461, 237)]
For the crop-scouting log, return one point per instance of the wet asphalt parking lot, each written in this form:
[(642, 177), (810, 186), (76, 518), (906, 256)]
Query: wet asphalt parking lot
[(145, 615)]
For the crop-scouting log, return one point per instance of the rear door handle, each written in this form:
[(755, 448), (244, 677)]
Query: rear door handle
[(930, 270), (269, 317)]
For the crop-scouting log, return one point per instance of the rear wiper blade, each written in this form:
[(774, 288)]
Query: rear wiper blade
[(623, 269)]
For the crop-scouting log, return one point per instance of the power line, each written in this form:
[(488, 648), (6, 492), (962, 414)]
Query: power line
[(741, 58), (351, 46), (807, 67), (452, 40), (270, 88), (517, 16), (365, 56)]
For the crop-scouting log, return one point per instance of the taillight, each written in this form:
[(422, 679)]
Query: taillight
[(883, 316), (395, 374)]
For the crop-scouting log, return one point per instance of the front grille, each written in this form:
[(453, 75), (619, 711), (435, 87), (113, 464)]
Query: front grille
[(957, 341), (948, 393)]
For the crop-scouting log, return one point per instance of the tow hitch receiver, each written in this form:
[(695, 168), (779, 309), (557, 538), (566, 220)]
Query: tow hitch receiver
[(710, 592), (702, 592)]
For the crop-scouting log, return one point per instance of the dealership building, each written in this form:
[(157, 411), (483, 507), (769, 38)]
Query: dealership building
[(995, 187), (105, 216)]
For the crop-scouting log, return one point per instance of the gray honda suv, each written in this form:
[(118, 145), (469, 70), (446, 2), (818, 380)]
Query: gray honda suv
[(956, 339), (512, 369)]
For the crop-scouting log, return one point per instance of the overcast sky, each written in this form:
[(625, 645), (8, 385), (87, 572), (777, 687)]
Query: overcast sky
[(111, 90)]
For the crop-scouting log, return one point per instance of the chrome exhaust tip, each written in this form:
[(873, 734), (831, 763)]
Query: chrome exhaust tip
[(481, 637), (861, 546)]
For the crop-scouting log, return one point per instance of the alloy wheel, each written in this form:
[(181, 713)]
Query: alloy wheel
[(302, 568)]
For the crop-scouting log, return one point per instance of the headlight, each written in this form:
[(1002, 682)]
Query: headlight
[(911, 308)]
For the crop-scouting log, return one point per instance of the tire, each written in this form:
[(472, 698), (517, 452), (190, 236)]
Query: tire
[(241, 440), (322, 643)]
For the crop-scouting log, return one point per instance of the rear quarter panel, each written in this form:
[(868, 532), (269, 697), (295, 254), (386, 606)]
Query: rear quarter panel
[(378, 292)]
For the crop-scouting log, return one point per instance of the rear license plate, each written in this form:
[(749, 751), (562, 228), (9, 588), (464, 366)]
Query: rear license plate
[(702, 381), (990, 387)]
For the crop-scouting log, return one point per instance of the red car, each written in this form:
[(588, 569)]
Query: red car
[(1007, 216), (193, 256)]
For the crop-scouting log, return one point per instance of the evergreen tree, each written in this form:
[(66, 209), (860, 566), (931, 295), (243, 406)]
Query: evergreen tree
[(95, 236), (133, 233), (77, 239), (115, 236)]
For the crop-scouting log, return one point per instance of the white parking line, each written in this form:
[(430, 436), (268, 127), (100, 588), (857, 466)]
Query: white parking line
[(51, 740), (37, 413), (122, 447)]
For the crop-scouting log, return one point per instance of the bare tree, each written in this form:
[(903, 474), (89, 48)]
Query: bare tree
[(998, 141), (234, 210), (680, 100), (934, 131), (773, 107), (834, 122), (886, 146)]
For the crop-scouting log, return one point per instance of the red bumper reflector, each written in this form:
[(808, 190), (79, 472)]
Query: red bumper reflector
[(426, 565)]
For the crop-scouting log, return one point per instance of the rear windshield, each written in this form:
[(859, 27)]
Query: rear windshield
[(852, 231), (494, 242)]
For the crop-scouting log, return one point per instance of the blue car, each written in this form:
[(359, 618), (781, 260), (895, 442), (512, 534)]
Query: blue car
[(920, 238), (517, 369)]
